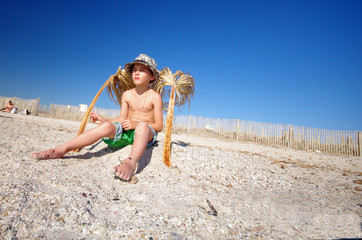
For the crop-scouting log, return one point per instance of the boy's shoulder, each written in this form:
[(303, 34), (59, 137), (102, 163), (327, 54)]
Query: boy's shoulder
[(128, 91), (152, 91), (155, 95)]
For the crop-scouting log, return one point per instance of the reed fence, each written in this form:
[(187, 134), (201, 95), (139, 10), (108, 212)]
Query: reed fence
[(74, 112), (284, 135), (21, 104)]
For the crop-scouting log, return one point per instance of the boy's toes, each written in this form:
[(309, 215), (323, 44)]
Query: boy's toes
[(122, 176), (37, 156), (121, 171), (48, 154)]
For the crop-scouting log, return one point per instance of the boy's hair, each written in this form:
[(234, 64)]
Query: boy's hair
[(145, 60)]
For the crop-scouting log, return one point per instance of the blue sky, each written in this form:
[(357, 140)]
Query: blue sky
[(289, 62)]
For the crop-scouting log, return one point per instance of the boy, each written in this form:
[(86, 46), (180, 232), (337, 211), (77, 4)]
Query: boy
[(138, 123)]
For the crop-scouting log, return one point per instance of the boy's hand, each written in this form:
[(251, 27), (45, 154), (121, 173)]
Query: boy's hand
[(96, 118), (128, 124)]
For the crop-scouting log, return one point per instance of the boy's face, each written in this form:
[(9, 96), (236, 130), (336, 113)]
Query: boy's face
[(141, 74)]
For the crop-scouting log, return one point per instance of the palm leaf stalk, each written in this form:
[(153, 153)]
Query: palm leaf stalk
[(182, 89), (169, 122), (118, 83)]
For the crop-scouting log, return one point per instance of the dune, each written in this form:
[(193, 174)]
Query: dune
[(215, 189)]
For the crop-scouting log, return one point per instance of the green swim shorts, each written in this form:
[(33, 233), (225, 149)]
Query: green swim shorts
[(125, 137)]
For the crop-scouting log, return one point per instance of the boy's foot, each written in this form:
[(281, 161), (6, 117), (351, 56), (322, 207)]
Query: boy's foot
[(126, 170), (47, 154)]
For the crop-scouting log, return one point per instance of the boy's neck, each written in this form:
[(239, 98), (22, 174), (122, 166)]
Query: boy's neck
[(141, 89)]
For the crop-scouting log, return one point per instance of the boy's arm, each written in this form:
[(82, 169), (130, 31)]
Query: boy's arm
[(96, 118), (124, 108), (158, 116)]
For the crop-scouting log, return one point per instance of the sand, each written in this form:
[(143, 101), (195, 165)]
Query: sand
[(215, 189)]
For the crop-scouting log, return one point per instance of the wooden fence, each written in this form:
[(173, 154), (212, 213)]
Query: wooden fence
[(21, 104), (73, 112), (297, 137)]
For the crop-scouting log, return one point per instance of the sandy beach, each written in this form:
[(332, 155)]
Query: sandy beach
[(215, 189)]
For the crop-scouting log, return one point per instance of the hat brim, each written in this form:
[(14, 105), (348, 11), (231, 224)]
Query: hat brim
[(129, 66)]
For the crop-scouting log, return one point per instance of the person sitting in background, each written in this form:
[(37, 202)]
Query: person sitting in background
[(8, 107)]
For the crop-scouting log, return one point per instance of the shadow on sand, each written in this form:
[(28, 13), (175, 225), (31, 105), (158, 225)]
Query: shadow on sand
[(181, 143), (143, 162)]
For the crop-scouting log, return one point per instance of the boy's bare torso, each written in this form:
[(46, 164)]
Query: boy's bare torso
[(141, 106)]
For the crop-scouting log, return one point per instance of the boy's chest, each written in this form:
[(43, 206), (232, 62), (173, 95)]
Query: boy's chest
[(140, 105)]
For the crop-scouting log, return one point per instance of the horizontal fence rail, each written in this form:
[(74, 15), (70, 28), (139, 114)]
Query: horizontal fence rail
[(297, 137)]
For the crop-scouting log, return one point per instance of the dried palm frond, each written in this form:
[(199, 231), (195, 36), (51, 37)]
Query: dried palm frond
[(183, 83), (182, 89), (118, 84)]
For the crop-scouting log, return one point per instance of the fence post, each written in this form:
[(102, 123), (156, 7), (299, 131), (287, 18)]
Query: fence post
[(290, 136), (36, 106), (51, 110), (189, 127), (237, 129), (359, 143)]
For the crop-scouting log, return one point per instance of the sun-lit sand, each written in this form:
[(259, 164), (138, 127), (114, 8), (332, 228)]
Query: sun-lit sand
[(215, 189)]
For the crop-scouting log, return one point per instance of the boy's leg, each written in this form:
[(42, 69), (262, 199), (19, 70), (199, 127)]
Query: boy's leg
[(106, 129), (143, 134)]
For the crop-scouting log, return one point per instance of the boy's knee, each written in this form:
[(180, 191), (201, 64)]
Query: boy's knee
[(142, 126), (108, 126)]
